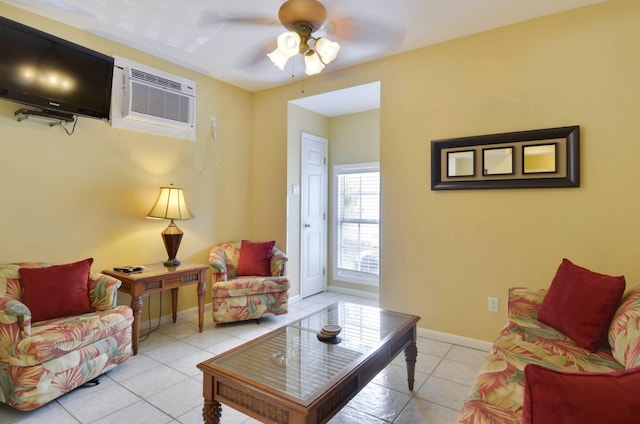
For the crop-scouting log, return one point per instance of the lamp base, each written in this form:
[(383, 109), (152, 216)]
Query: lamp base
[(171, 263), (172, 235)]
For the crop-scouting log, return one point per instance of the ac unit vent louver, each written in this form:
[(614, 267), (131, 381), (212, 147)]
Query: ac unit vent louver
[(155, 79), (155, 99)]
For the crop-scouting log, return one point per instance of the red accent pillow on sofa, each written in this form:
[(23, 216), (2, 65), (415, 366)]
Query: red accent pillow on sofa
[(57, 291), (255, 258), (581, 303), (580, 397)]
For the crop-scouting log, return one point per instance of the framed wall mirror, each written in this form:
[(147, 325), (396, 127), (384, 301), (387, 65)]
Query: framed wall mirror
[(461, 163), (524, 159), (540, 158), (497, 161)]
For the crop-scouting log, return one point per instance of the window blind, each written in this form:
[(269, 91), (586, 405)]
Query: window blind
[(358, 221)]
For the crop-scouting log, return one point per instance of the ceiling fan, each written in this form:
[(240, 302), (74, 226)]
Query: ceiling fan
[(308, 32), (302, 18)]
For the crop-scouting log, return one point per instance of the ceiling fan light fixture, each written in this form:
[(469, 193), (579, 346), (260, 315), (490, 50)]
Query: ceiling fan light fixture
[(312, 62), (327, 49), (278, 58), (289, 43)]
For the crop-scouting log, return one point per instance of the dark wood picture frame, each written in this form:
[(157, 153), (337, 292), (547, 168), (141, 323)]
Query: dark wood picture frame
[(568, 138)]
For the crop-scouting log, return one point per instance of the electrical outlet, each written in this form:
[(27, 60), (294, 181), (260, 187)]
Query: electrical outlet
[(493, 304), (214, 122)]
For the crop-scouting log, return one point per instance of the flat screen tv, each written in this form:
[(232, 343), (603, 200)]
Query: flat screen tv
[(62, 78)]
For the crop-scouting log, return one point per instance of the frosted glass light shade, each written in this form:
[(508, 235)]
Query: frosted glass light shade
[(278, 58), (312, 63), (289, 43), (328, 50)]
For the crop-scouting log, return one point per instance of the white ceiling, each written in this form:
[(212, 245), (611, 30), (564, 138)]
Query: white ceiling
[(343, 102), (205, 35), (200, 34)]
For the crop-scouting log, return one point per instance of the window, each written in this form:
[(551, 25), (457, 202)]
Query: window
[(357, 223)]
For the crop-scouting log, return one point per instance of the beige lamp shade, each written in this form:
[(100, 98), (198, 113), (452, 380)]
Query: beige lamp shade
[(170, 205)]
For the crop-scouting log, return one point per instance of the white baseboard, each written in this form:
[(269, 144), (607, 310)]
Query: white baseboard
[(168, 318), (454, 339), (295, 299), (422, 332), (353, 292)]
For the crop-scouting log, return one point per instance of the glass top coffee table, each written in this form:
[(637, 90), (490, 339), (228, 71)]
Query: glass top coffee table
[(290, 376)]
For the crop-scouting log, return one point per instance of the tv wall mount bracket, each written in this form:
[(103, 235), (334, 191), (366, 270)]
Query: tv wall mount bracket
[(53, 117)]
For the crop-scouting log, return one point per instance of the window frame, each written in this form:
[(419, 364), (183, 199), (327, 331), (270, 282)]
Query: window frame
[(340, 274)]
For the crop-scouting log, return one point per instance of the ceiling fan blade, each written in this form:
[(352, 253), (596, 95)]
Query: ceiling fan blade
[(363, 31), (256, 56), (221, 19)]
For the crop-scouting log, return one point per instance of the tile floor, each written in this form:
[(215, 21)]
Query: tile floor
[(162, 384)]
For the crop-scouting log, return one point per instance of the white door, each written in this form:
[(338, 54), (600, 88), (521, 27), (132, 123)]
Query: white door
[(313, 219)]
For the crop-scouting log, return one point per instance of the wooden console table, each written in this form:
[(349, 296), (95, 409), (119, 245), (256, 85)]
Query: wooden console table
[(157, 278)]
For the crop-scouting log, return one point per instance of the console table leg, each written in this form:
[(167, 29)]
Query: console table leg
[(136, 306), (202, 290), (410, 355), (211, 411), (174, 303)]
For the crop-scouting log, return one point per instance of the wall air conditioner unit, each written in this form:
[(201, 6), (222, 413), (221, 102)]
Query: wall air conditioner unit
[(158, 98)]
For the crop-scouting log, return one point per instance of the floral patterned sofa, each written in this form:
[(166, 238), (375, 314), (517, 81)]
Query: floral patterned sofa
[(261, 290), (42, 360), (500, 394)]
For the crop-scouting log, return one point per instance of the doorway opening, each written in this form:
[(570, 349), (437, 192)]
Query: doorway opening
[(349, 121)]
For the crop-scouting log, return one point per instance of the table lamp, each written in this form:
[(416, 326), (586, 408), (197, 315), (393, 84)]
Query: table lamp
[(171, 205)]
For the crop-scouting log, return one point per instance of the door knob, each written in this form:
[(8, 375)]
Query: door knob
[(307, 225)]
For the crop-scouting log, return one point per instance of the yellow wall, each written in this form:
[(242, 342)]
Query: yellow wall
[(86, 195), (444, 253)]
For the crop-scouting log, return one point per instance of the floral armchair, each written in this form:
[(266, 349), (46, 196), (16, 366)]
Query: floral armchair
[(238, 297), (44, 359)]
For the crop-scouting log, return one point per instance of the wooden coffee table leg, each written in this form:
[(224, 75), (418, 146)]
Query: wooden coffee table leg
[(410, 355), (211, 411)]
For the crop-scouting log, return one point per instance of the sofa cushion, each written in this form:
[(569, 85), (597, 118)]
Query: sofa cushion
[(57, 291), (624, 332), (255, 258), (240, 308), (581, 303), (580, 398), (250, 286), (8, 272), (10, 281), (59, 336)]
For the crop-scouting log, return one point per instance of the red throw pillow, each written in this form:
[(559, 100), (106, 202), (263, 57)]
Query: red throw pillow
[(255, 258), (57, 291), (581, 303), (580, 397)]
